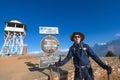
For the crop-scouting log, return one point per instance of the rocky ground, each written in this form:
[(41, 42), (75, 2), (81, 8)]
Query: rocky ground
[(26, 68), (101, 74)]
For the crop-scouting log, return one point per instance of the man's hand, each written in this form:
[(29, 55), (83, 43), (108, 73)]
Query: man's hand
[(109, 69), (57, 64)]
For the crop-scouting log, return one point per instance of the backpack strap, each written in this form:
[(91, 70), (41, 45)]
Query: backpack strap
[(83, 49), (73, 50)]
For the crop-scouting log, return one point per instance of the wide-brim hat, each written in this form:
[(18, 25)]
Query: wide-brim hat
[(77, 33)]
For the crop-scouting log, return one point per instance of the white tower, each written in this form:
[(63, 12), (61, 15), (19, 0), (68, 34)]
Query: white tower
[(14, 33)]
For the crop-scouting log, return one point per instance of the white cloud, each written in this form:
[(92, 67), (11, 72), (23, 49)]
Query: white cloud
[(41, 52), (63, 50), (117, 34), (101, 43), (34, 52)]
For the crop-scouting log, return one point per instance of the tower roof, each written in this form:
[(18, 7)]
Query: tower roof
[(15, 21)]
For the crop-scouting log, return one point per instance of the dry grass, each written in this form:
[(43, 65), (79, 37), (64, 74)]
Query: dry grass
[(26, 68)]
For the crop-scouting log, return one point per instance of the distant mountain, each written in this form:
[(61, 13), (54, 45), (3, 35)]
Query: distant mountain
[(57, 53), (102, 49), (61, 52)]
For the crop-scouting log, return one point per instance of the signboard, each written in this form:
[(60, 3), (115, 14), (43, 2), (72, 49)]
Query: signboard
[(49, 44), (44, 62), (48, 30)]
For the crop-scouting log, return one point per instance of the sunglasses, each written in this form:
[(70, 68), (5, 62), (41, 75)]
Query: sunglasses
[(77, 36)]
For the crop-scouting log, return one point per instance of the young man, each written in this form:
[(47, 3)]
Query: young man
[(81, 53)]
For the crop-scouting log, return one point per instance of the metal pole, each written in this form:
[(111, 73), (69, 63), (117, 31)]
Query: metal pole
[(51, 74), (58, 70)]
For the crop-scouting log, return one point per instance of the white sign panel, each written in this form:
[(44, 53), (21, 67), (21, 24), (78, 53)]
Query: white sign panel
[(48, 30), (44, 62)]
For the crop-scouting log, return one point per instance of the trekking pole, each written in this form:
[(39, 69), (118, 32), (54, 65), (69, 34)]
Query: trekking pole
[(108, 76), (108, 72)]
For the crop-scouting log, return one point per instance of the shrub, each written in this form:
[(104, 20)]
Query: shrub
[(110, 54)]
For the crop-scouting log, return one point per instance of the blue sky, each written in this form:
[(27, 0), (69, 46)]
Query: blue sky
[(99, 20)]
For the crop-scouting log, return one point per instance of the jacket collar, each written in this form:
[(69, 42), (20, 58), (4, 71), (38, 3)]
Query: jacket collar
[(78, 45)]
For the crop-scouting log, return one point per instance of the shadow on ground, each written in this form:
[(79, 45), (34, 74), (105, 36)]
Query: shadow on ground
[(62, 74)]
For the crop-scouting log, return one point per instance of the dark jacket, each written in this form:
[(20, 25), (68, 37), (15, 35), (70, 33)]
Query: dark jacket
[(80, 58)]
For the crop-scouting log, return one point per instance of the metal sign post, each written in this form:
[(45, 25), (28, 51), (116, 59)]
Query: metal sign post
[(49, 45)]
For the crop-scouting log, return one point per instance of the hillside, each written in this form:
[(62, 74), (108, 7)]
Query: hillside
[(102, 49), (26, 68)]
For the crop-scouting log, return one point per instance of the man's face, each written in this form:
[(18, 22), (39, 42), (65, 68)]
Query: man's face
[(77, 38)]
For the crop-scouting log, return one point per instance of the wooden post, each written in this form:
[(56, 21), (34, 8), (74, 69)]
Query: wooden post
[(51, 73)]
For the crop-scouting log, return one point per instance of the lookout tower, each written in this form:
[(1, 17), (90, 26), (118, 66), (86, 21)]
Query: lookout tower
[(14, 34)]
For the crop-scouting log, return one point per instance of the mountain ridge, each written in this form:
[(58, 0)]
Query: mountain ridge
[(113, 45), (100, 49)]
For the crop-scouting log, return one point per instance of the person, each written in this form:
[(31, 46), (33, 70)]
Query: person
[(81, 53)]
